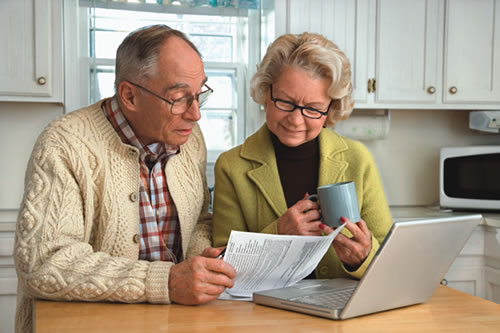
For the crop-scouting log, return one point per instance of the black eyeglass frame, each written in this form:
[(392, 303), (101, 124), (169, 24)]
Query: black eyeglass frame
[(301, 108), (190, 102)]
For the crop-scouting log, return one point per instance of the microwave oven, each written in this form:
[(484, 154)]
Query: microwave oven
[(469, 177)]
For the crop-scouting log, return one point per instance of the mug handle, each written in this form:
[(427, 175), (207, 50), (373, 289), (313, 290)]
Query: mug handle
[(313, 196), (316, 198)]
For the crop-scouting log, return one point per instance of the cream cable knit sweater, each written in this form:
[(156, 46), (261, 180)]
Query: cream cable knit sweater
[(77, 226)]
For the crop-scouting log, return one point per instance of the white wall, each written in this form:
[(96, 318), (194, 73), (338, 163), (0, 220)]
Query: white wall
[(408, 159), (20, 125)]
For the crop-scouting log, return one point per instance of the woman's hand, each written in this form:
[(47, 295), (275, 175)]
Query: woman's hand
[(352, 251), (301, 219)]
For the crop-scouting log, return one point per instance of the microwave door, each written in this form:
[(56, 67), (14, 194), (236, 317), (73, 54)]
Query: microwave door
[(472, 181)]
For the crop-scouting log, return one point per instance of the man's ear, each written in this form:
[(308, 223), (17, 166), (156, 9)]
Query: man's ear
[(127, 94)]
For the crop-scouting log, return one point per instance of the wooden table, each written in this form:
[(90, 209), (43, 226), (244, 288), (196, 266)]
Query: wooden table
[(448, 310)]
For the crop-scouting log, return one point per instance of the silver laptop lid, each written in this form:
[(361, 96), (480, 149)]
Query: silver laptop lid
[(410, 263)]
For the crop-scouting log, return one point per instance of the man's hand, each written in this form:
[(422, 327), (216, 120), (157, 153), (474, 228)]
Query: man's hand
[(200, 279)]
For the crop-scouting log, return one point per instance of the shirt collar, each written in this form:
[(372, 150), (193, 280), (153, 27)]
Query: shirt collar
[(117, 119)]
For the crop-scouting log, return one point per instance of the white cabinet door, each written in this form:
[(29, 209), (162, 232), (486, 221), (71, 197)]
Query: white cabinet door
[(345, 22), (31, 52), (408, 60), (472, 56), (492, 281)]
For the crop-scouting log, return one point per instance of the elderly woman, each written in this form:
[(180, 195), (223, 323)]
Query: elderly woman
[(304, 84)]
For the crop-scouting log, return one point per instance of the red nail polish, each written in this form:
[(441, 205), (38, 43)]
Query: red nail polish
[(322, 226), (343, 219)]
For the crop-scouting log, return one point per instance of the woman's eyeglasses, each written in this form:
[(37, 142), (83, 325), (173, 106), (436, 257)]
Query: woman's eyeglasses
[(306, 111)]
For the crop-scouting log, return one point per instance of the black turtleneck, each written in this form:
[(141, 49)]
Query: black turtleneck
[(298, 168)]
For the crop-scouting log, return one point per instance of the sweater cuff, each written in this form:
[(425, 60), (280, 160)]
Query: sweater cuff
[(361, 269), (157, 282)]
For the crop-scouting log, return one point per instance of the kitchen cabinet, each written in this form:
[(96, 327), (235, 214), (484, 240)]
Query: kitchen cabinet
[(492, 259), (467, 271), (31, 60), (472, 52), (437, 54), (410, 54), (345, 22), (408, 51), (476, 269)]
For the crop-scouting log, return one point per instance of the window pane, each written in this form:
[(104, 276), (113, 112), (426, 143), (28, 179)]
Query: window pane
[(107, 42), (104, 86), (223, 84), (214, 48), (218, 128), (211, 28)]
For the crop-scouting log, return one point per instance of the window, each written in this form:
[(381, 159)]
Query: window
[(220, 34)]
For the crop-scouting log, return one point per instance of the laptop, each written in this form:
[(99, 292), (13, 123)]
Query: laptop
[(409, 265)]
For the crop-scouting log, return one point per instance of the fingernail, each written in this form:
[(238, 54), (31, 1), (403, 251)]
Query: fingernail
[(322, 226), (343, 219)]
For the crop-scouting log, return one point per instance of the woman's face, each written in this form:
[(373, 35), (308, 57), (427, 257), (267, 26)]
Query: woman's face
[(300, 88)]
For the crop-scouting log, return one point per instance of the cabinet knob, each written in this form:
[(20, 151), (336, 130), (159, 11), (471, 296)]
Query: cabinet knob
[(431, 90), (444, 282), (41, 80), (453, 90)]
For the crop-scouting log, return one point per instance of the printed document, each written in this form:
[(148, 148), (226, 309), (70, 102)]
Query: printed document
[(265, 261)]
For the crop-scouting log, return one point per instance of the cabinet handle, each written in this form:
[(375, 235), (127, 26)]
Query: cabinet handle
[(431, 90), (370, 85), (41, 80), (453, 90)]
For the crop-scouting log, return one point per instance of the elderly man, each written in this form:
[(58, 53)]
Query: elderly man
[(115, 203)]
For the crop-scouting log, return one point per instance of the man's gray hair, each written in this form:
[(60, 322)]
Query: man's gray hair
[(138, 54)]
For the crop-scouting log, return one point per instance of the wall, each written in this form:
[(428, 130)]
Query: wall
[(20, 124), (408, 159)]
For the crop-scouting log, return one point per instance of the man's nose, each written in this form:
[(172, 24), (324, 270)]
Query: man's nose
[(193, 113)]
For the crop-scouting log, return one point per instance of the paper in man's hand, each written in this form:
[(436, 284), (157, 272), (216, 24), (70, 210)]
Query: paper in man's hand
[(265, 261)]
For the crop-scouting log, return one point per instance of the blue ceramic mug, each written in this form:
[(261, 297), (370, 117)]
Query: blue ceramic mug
[(337, 200)]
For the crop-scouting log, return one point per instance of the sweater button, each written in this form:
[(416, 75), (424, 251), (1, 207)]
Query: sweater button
[(134, 197), (136, 238), (323, 270)]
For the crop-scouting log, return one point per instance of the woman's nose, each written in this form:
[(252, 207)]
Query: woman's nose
[(295, 117)]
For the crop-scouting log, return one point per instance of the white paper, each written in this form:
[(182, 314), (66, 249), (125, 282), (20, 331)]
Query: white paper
[(228, 297), (265, 261)]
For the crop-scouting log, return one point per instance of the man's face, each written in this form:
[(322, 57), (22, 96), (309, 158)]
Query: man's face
[(179, 73)]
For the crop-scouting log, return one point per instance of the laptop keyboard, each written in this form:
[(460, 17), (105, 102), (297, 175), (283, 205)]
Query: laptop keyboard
[(336, 299)]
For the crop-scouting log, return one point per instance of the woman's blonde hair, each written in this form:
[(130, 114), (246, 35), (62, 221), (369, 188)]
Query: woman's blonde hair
[(315, 55)]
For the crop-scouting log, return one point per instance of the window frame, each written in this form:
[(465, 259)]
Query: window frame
[(78, 66)]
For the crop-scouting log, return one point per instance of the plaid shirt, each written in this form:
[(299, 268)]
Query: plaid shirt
[(159, 225)]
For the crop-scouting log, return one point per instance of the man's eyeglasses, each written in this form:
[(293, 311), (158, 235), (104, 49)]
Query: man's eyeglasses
[(181, 105), (306, 111)]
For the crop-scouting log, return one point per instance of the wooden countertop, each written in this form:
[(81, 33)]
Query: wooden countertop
[(448, 310)]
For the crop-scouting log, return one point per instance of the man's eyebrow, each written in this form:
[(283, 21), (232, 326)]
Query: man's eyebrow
[(184, 85)]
